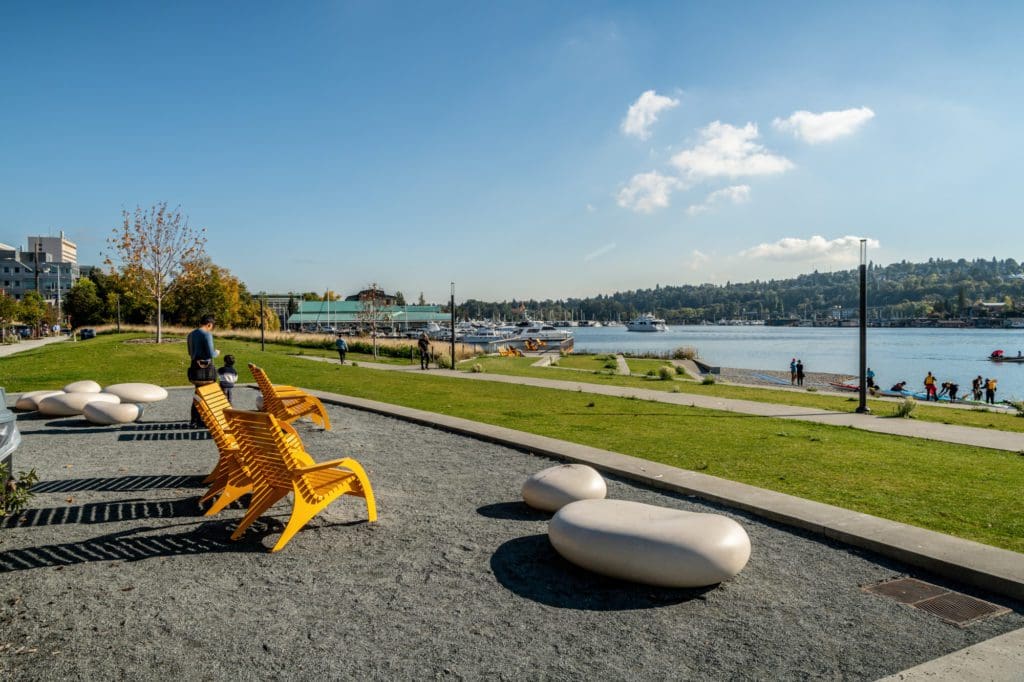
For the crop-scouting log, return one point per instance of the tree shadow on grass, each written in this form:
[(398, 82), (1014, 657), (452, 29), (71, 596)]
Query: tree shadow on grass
[(530, 567), (513, 511)]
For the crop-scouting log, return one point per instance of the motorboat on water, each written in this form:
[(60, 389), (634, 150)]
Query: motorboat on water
[(483, 335), (539, 331), (646, 323), (1000, 356)]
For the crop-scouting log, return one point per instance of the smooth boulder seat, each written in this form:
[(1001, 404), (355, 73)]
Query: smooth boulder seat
[(137, 393), (70, 404), (648, 544), (99, 412), (557, 486), (30, 401), (86, 386)]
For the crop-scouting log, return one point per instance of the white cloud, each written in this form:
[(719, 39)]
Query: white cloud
[(644, 112), (697, 260), (729, 151), (735, 194), (817, 249), (646, 192), (599, 252), (826, 126), (591, 208)]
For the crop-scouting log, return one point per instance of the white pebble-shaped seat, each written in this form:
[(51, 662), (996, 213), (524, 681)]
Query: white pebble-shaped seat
[(86, 386), (557, 486), (99, 412), (137, 393), (30, 401), (648, 544), (70, 404)]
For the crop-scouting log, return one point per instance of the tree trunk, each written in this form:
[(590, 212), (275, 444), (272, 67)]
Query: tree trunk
[(159, 319)]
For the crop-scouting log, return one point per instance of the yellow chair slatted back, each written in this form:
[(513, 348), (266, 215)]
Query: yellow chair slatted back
[(278, 463), (296, 404), (211, 405)]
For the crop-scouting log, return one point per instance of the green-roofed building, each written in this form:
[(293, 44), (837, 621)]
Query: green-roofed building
[(351, 316)]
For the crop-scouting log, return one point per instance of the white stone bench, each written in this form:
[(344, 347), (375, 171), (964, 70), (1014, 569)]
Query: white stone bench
[(85, 386), (557, 486), (30, 401), (137, 392), (648, 544), (103, 413), (70, 404)]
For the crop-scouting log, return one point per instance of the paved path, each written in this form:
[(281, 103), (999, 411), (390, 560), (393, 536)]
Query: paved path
[(912, 428), (12, 348), (621, 366)]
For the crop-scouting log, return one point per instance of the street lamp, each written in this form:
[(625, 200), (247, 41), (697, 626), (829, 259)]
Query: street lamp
[(263, 322), (862, 408), (453, 324)]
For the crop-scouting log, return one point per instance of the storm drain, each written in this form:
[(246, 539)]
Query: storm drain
[(952, 607)]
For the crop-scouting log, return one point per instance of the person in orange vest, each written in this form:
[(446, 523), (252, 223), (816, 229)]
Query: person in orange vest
[(990, 391), (929, 388)]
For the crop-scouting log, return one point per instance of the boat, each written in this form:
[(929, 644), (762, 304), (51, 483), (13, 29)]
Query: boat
[(999, 356), (646, 323), (483, 335), (539, 331)]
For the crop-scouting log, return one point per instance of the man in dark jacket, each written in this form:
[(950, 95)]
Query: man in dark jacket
[(200, 351), (342, 348), (424, 345)]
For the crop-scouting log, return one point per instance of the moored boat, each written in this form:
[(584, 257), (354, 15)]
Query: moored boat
[(646, 323)]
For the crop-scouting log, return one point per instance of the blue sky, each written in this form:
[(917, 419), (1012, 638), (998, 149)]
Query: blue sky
[(510, 147)]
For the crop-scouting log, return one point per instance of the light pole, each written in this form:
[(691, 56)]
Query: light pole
[(263, 322), (453, 324), (862, 408)]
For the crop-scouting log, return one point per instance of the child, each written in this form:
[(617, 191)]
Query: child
[(228, 376)]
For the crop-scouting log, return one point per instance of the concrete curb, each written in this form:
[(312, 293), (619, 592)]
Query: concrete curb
[(990, 568), (997, 659)]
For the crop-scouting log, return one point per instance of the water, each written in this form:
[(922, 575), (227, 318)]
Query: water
[(894, 354)]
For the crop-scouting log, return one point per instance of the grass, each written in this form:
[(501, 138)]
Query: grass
[(978, 417), (644, 365), (965, 491)]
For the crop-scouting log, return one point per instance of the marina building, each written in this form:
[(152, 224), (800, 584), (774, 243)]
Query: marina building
[(328, 316)]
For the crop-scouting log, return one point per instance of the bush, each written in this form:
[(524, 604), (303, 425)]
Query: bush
[(1019, 406), (16, 493), (665, 373), (477, 368), (708, 380), (611, 364), (680, 370), (685, 353), (905, 408), (443, 361)]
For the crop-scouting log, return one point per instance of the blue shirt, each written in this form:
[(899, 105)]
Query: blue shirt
[(200, 345)]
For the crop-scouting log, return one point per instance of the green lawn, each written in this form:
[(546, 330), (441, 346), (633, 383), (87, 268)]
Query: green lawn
[(978, 417), (969, 492), (592, 363), (645, 365)]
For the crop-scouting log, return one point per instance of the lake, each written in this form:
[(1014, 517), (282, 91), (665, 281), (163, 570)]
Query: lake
[(894, 354)]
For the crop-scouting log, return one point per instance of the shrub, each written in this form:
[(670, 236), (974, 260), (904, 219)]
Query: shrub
[(665, 373), (905, 408), (650, 373), (611, 364), (443, 361), (477, 368), (685, 353), (680, 370), (674, 389), (17, 492), (708, 380)]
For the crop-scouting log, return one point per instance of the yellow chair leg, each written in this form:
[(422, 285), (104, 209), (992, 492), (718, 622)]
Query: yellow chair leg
[(256, 508), (230, 494), (302, 513)]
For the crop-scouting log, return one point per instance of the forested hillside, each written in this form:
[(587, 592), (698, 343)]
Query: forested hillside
[(942, 288)]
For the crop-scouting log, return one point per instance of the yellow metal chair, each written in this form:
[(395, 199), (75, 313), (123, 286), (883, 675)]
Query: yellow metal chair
[(229, 478), (273, 454), (288, 403)]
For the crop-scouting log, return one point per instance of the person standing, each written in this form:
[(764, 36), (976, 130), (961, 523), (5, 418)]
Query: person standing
[(342, 347), (870, 378), (424, 346), (792, 371), (990, 391), (976, 384), (201, 370), (228, 376), (799, 372), (929, 388)]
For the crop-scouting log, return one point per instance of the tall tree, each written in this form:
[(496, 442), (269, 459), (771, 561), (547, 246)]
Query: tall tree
[(32, 310), (155, 248), (371, 314), (8, 311), (83, 303)]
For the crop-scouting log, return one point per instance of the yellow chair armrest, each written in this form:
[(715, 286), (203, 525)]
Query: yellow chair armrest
[(343, 462)]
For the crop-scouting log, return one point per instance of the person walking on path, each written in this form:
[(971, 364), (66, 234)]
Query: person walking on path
[(342, 347), (424, 346), (792, 371), (990, 391), (201, 370), (799, 372), (976, 385), (870, 378), (929, 388), (228, 376)]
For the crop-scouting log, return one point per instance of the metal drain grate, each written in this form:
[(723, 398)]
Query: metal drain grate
[(952, 607), (960, 609)]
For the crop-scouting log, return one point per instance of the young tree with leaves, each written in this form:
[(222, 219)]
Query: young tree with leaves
[(32, 310), (155, 248), (8, 311), (83, 303)]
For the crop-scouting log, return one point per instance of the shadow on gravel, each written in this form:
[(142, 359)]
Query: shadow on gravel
[(118, 484), (108, 512), (210, 537), (530, 567), (513, 511)]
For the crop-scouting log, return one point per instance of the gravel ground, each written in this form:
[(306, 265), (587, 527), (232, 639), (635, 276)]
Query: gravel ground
[(113, 575), (756, 377)]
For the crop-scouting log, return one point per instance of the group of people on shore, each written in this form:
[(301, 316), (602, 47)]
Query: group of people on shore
[(796, 372), (933, 390)]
